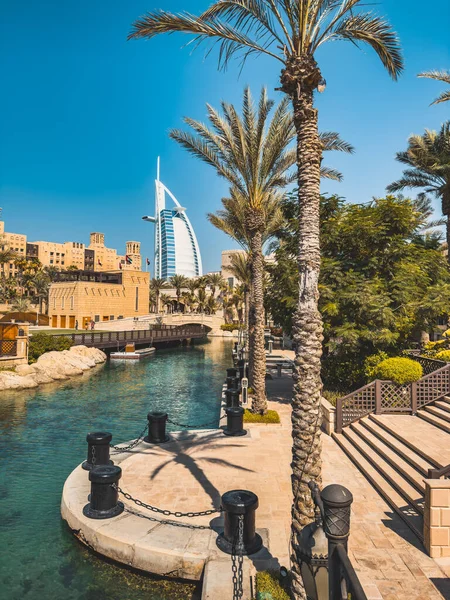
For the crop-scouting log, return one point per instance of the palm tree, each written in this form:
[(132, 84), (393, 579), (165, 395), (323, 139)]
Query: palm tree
[(178, 282), (211, 304), (166, 300), (192, 285), (252, 153), (291, 31), (21, 305), (7, 255), (428, 157), (41, 285), (214, 280), (158, 284), (240, 268), (443, 76), (201, 300)]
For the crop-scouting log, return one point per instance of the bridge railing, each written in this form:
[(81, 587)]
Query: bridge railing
[(157, 333)]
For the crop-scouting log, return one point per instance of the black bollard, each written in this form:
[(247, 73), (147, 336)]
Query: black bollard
[(234, 504), (235, 420), (103, 501), (156, 428), (232, 397), (231, 372), (98, 450), (232, 383), (243, 369)]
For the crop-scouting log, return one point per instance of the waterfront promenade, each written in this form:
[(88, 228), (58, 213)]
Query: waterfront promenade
[(190, 474)]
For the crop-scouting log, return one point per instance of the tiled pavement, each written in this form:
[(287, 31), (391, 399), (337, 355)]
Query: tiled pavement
[(191, 473)]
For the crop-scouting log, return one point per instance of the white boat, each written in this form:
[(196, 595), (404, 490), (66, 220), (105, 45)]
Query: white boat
[(131, 353)]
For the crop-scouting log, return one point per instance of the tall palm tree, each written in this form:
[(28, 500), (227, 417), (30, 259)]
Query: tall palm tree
[(178, 282), (192, 285), (201, 300), (428, 157), (443, 76), (166, 301), (291, 31), (7, 255), (214, 280), (252, 152), (240, 268), (157, 284)]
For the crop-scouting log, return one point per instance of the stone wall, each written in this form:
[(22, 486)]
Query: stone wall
[(328, 417), (436, 523)]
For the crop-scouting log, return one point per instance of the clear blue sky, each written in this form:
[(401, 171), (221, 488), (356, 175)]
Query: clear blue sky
[(84, 114)]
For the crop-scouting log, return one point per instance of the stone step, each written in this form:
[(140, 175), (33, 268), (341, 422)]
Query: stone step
[(438, 412), (443, 404), (405, 511), (406, 470), (414, 459), (387, 471), (434, 420), (390, 428)]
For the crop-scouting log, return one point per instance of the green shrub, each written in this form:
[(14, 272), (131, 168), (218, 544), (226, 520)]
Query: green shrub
[(432, 348), (271, 416), (332, 396), (443, 355), (399, 370), (40, 343), (371, 363), (268, 586), (231, 327)]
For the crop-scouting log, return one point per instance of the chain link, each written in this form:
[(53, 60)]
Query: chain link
[(237, 561), (93, 457), (166, 513), (196, 426), (137, 441), (165, 521)]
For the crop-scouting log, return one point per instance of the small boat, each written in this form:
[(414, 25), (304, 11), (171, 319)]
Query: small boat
[(131, 353)]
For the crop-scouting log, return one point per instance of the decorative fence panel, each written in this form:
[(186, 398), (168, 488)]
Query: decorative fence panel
[(429, 365), (433, 386), (8, 348), (394, 397), (355, 406), (389, 397)]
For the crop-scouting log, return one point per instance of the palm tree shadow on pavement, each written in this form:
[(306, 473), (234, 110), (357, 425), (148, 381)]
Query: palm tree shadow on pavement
[(180, 452)]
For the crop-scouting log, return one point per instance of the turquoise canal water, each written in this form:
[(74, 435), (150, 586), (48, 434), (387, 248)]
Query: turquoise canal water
[(42, 439)]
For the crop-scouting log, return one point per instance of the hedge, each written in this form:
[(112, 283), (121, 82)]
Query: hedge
[(231, 327), (40, 343), (399, 370), (268, 586), (443, 355), (271, 416)]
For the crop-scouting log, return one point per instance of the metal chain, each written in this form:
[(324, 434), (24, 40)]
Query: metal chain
[(165, 521), (132, 445), (237, 562), (196, 426), (166, 513), (93, 457)]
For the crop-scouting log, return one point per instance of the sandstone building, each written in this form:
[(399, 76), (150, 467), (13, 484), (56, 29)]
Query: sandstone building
[(86, 296), (94, 257)]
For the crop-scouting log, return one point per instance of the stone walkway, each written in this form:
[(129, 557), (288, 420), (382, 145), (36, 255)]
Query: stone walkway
[(191, 472)]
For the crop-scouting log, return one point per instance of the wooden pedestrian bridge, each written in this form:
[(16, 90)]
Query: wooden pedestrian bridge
[(154, 334)]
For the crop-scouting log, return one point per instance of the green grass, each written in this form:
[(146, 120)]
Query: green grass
[(268, 586), (271, 416)]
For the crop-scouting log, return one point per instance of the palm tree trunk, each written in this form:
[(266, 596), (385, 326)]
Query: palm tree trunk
[(307, 326), (259, 402)]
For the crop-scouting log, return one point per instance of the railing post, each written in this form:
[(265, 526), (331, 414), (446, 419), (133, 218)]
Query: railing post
[(414, 397), (337, 501), (377, 397), (339, 416)]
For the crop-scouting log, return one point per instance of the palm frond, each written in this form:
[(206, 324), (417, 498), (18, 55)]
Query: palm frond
[(331, 140), (443, 76), (372, 30)]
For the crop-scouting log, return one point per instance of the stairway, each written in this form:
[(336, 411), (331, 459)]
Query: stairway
[(437, 413), (396, 466)]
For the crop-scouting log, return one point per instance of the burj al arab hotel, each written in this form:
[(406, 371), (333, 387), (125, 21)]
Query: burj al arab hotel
[(176, 246)]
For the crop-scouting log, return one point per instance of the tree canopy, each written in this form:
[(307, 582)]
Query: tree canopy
[(383, 280)]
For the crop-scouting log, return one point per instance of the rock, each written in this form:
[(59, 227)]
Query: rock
[(52, 366), (24, 370), (11, 381)]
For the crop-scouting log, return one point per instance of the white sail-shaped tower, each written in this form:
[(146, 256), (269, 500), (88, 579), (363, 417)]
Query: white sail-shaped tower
[(176, 247)]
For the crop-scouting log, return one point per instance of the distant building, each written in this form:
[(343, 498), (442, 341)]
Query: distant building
[(226, 264), (86, 296), (176, 248), (95, 257)]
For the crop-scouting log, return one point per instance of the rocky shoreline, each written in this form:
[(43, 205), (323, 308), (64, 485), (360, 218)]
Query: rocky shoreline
[(52, 366)]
